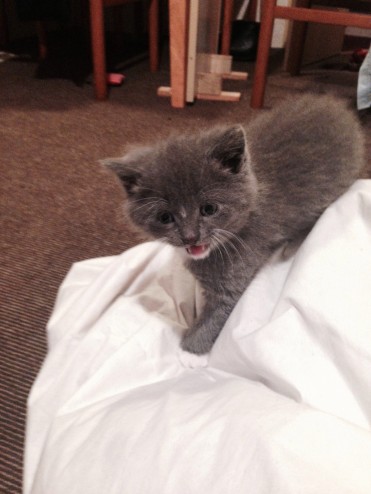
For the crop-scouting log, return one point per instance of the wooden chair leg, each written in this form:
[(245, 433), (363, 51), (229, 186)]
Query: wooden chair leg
[(297, 40), (251, 10), (98, 49), (153, 30), (295, 53), (261, 66), (227, 27)]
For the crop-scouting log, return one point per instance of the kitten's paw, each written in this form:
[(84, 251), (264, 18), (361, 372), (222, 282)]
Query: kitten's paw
[(197, 341), (191, 360)]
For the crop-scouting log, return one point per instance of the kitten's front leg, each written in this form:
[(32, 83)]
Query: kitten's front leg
[(200, 338), (223, 289)]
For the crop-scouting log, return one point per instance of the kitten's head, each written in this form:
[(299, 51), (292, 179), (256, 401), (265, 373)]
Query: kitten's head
[(195, 192)]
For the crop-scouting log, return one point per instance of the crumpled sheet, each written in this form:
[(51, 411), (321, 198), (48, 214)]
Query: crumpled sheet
[(283, 406)]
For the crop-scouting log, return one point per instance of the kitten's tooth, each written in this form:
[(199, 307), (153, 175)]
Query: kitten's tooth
[(198, 251)]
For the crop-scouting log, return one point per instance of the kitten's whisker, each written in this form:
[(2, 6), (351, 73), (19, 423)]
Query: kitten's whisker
[(221, 245), (233, 235), (245, 247), (231, 245), (228, 237), (224, 246), (216, 244)]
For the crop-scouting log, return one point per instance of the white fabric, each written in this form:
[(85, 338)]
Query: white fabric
[(283, 406)]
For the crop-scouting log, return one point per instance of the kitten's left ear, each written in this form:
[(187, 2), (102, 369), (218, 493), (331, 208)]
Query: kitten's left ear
[(230, 148), (127, 174)]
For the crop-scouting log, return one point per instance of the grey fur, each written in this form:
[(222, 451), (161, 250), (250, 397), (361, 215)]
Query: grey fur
[(270, 183)]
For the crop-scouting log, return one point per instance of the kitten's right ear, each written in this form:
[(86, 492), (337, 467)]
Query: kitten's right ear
[(128, 175), (230, 148)]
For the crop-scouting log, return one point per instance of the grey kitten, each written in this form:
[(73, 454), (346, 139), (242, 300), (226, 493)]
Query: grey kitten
[(230, 197)]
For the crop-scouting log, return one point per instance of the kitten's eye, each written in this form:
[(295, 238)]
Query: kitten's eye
[(165, 217), (208, 209)]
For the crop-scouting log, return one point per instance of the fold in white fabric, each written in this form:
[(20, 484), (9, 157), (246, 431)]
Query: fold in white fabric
[(283, 405)]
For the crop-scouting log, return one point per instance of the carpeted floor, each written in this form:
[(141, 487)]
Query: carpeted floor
[(59, 206)]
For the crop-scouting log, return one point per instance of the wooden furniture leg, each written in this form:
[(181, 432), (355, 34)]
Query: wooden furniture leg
[(251, 10), (296, 49), (261, 66), (227, 27), (98, 49), (153, 30), (178, 18)]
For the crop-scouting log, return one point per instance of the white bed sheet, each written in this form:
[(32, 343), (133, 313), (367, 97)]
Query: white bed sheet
[(283, 406)]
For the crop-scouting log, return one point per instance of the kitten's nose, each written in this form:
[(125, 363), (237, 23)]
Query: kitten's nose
[(190, 239)]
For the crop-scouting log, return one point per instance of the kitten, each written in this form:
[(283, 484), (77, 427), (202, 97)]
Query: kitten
[(230, 197)]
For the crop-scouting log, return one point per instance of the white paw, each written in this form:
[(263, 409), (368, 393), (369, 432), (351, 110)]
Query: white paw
[(192, 361)]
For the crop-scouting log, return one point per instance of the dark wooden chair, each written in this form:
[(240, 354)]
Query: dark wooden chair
[(302, 12)]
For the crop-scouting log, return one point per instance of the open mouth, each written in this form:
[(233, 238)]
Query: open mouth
[(198, 251)]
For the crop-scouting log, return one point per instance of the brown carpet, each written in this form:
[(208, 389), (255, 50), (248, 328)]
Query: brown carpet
[(58, 205)]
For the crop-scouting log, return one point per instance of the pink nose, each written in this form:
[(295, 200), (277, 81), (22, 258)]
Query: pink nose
[(190, 239)]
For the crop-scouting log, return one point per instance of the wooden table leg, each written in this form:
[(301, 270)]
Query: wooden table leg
[(178, 20)]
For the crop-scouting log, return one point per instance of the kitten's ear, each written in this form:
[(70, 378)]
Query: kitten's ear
[(230, 148), (126, 172)]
